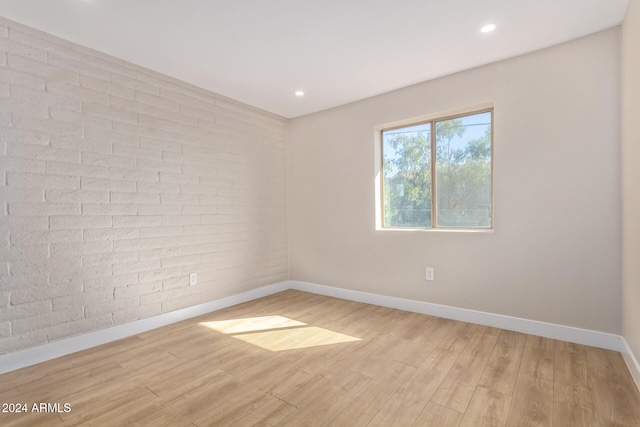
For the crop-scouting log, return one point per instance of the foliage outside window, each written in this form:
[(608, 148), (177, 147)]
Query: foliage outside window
[(460, 165)]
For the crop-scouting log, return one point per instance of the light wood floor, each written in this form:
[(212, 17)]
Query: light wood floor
[(354, 365)]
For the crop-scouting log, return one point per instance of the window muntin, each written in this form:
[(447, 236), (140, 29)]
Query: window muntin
[(462, 195)]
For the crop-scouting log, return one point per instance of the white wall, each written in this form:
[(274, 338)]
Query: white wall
[(630, 92), (116, 182), (556, 250)]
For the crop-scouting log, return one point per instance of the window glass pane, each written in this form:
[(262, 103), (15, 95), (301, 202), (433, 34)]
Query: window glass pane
[(463, 171), (406, 163)]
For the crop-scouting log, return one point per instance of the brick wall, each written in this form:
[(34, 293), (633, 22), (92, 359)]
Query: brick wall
[(116, 183)]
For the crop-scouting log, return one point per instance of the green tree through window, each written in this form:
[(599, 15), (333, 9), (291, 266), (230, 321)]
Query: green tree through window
[(461, 196)]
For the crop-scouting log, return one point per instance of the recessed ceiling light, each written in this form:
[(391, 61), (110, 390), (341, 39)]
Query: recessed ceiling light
[(488, 28), (299, 93)]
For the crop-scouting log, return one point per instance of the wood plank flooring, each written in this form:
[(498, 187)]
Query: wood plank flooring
[(299, 359)]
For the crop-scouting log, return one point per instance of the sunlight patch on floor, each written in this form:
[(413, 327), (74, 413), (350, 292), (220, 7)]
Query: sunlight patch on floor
[(277, 333), (251, 324), (290, 339)]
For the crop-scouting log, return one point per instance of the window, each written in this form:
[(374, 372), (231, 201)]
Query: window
[(443, 185)]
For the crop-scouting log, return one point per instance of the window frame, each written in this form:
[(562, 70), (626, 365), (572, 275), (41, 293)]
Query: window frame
[(431, 120)]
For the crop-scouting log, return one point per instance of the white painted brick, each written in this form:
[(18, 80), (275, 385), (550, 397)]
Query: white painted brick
[(36, 96), (15, 194), (84, 248), (176, 282), (20, 326), (180, 219), (5, 92), (79, 221), (41, 69), (135, 84), (180, 199), (118, 197), (60, 168), (34, 237), (91, 235), (88, 183), (137, 244), (156, 275), (158, 210), (14, 77), (199, 189), (139, 312), (186, 197), (78, 143), (107, 63), (109, 209), (39, 42), (180, 261), (199, 113), (66, 267), (110, 282), (21, 341), (81, 119), (160, 144), (97, 272), (137, 266), (82, 299), (157, 253), (110, 136), (39, 152), (46, 126), (28, 294), (107, 112), (136, 290), (137, 152), (111, 306), (20, 311), (16, 252), (171, 126), (108, 258), (78, 196), (199, 209), (177, 178), (155, 101), (4, 31), (98, 159), (13, 164), (5, 329), (44, 209), (79, 326), (23, 136), (156, 187), (24, 223), (133, 174), (105, 86), (29, 109), (216, 182), (158, 166), (165, 230), (136, 220), (214, 199), (201, 171), (77, 66), (12, 283)]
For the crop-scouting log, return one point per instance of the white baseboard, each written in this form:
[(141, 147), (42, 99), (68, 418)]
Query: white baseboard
[(33, 355), (533, 327), (632, 362)]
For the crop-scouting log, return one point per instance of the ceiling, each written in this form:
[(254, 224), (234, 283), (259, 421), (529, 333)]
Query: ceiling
[(337, 51)]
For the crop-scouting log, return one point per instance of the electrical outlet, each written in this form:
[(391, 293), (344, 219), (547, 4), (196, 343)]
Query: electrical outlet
[(193, 279), (431, 274)]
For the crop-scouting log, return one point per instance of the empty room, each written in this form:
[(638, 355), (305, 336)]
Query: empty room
[(320, 213)]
